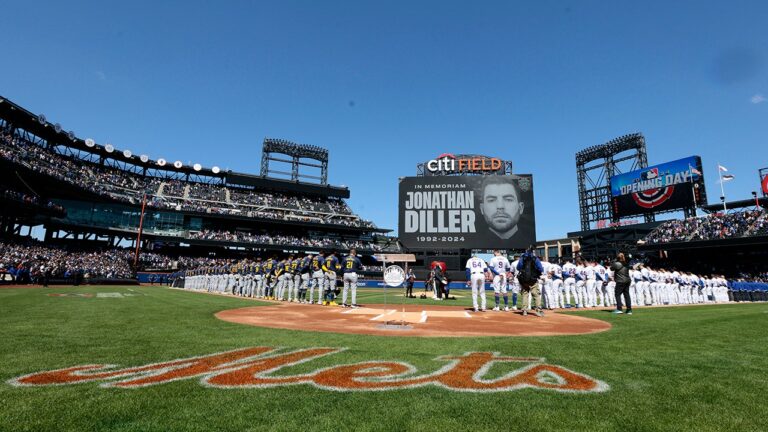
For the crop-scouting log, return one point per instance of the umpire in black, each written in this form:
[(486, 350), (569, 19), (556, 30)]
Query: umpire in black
[(621, 276)]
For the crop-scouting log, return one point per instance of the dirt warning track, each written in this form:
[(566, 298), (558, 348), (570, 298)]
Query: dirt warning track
[(423, 321)]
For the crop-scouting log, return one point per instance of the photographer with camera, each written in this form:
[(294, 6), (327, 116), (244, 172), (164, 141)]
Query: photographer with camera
[(621, 277), (529, 270)]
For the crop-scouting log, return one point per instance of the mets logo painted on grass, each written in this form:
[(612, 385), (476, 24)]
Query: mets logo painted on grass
[(256, 367)]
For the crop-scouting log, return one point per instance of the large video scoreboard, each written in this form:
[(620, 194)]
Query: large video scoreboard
[(467, 212), (669, 186)]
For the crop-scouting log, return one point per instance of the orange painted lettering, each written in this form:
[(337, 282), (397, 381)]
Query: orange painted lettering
[(255, 367)]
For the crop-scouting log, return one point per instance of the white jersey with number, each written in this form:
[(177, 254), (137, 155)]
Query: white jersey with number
[(581, 272), (500, 264), (590, 272), (476, 265), (569, 270), (600, 270), (556, 270)]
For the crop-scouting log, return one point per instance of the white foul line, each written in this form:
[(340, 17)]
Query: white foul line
[(383, 315)]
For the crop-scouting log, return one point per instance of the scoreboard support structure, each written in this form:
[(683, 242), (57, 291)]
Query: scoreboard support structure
[(596, 165)]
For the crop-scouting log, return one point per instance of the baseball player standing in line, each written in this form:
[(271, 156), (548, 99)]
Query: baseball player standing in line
[(645, 292), (515, 284), (318, 278), (290, 268), (351, 266), (258, 278), (581, 281), (305, 268), (476, 270), (284, 278), (600, 285), (569, 273), (610, 286), (545, 283), (332, 267), (558, 291), (280, 278), (500, 268), (296, 282), (653, 275), (591, 282), (248, 276), (269, 270)]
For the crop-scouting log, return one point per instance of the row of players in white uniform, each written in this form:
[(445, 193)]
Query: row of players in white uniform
[(590, 284)]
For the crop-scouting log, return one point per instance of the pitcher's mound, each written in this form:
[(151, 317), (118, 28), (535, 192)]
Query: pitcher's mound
[(422, 320)]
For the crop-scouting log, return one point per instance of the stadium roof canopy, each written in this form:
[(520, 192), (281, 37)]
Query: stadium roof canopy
[(53, 133), (740, 204)]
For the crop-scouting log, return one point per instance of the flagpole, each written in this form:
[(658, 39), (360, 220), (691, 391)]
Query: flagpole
[(722, 190), (693, 192)]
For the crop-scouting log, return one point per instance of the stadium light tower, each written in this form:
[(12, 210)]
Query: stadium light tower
[(296, 152), (623, 154)]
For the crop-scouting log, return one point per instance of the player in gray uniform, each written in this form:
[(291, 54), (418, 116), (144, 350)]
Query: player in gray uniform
[(318, 278), (305, 273), (258, 278), (280, 274), (296, 282), (351, 265)]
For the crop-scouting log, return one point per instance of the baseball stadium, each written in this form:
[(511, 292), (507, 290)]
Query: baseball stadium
[(139, 293)]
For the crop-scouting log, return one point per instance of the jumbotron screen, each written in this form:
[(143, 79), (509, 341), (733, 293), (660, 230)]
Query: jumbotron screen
[(667, 186), (467, 212)]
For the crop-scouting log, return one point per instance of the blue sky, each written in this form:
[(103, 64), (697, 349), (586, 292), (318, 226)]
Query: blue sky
[(386, 85)]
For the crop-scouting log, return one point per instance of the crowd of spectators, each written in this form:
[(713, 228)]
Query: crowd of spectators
[(207, 192), (711, 227), (30, 200), (752, 277), (720, 226), (672, 231), (288, 240), (175, 194), (174, 188), (103, 181), (33, 262)]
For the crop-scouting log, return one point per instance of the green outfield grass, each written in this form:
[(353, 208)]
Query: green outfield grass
[(699, 368)]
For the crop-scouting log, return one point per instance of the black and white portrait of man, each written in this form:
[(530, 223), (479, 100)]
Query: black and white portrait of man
[(503, 206)]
